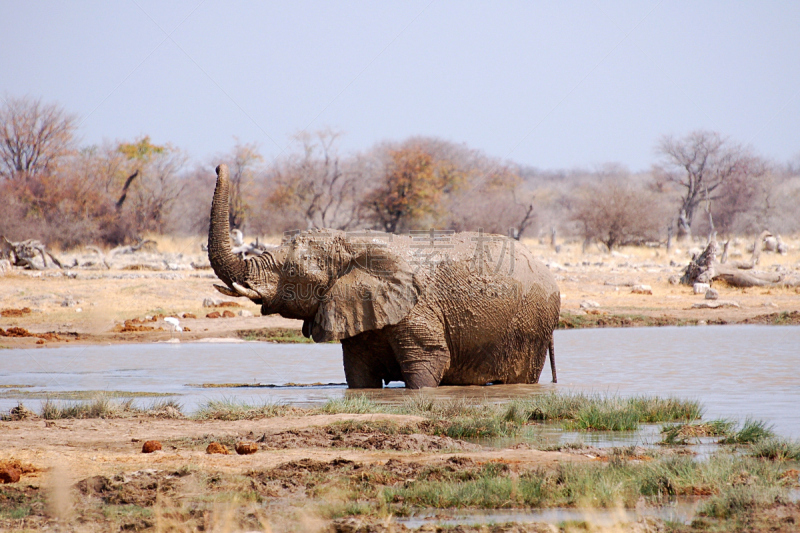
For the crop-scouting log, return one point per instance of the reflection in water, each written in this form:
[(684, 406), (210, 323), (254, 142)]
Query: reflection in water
[(735, 371)]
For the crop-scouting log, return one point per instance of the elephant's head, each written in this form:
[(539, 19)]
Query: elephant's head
[(339, 285)]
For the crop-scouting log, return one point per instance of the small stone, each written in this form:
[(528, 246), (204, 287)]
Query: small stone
[(642, 289), (216, 447), (69, 301), (151, 446), (246, 447), (702, 323), (589, 304), (769, 304), (245, 313), (188, 315), (712, 294), (9, 474), (674, 280), (213, 314), (700, 288), (714, 304), (228, 314), (209, 302)]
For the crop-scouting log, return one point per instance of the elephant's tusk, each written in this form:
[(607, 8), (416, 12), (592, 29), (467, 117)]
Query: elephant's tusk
[(244, 291), (227, 291)]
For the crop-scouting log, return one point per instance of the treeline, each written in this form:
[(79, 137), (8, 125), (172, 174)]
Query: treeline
[(64, 194)]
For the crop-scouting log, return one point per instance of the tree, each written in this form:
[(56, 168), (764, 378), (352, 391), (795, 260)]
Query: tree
[(33, 137), (243, 166), (157, 188), (701, 164), (315, 187), (616, 212), (410, 189)]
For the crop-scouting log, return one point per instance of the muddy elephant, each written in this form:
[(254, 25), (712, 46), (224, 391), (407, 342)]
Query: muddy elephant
[(437, 308)]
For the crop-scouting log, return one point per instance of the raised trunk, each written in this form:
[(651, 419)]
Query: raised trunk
[(228, 267)]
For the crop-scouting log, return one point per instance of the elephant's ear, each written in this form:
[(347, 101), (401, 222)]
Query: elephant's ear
[(376, 288)]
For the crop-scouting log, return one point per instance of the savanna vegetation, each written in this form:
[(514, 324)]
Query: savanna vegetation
[(65, 194)]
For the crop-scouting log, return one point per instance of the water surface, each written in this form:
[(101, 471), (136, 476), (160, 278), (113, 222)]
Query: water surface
[(735, 371)]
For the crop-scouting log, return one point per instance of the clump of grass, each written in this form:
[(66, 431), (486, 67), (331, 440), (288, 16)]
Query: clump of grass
[(605, 417), (353, 404), (656, 409), (421, 404), (601, 412), (733, 501), (100, 407), (776, 449), (230, 409), (479, 428), (165, 409), (752, 431), (682, 434)]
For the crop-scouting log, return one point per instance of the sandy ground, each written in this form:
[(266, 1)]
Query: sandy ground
[(84, 448), (91, 475), (85, 306)]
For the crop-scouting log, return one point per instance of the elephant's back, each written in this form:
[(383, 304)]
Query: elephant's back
[(499, 308)]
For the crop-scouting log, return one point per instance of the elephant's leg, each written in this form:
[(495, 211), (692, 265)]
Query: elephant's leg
[(421, 350), (368, 361)]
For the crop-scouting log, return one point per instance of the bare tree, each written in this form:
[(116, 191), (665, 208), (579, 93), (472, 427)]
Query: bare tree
[(244, 166), (616, 212), (154, 193), (33, 137), (700, 165), (314, 185)]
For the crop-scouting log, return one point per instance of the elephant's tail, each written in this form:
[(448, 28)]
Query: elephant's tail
[(552, 351)]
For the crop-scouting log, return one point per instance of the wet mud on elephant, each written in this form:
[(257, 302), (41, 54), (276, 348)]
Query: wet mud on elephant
[(438, 308)]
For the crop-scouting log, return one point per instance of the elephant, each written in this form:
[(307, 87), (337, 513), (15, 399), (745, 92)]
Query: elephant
[(429, 309)]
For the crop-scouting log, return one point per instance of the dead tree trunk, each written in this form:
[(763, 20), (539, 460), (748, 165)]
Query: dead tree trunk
[(705, 269)]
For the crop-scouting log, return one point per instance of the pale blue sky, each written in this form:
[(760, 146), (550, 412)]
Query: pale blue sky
[(549, 84)]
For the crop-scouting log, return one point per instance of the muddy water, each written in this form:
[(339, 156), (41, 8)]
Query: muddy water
[(735, 371)]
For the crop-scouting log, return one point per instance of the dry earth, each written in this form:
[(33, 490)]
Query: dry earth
[(91, 475)]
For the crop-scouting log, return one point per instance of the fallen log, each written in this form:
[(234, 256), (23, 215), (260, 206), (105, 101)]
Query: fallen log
[(24, 254), (705, 268)]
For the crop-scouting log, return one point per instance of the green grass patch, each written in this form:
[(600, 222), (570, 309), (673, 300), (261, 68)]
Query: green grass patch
[(740, 499), (100, 407), (604, 417), (580, 411), (466, 419), (107, 406), (358, 403), (231, 409), (776, 449), (752, 431), (595, 485)]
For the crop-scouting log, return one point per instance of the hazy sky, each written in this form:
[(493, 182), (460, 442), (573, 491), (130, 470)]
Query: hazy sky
[(549, 84)]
